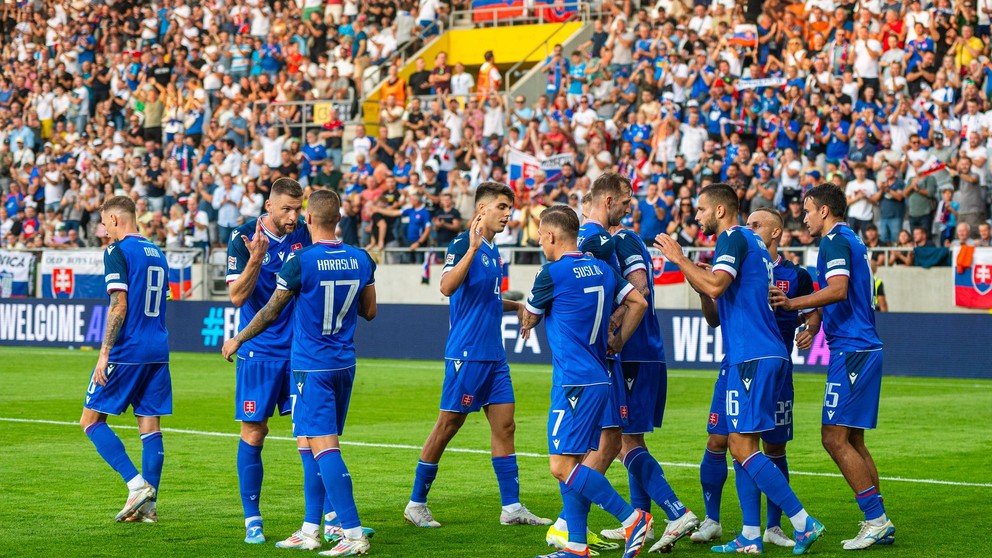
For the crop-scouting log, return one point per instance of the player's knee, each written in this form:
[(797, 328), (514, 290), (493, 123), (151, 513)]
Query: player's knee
[(774, 450), (254, 433), (448, 424), (505, 429), (86, 421), (716, 443), (832, 441), (560, 471)]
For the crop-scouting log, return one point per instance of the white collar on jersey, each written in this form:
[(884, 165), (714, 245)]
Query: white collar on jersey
[(335, 242), (574, 254), (266, 230)]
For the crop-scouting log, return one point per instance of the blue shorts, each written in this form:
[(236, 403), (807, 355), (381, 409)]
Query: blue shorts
[(616, 413), (259, 387), (470, 385), (782, 433), (753, 388), (646, 386), (717, 423), (575, 417), (854, 383), (146, 388), (320, 404)]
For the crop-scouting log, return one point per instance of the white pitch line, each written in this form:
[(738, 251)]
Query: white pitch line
[(476, 451)]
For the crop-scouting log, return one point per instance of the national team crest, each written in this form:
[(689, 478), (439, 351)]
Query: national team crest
[(249, 407), (485, 260), (266, 259), (714, 419), (295, 247), (782, 286), (467, 400), (623, 412), (981, 275), (63, 281)]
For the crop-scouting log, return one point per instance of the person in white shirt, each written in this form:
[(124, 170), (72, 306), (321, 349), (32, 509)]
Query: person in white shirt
[(227, 202), (693, 136), (273, 146), (494, 117), (867, 51), (582, 120), (862, 197), (462, 82)]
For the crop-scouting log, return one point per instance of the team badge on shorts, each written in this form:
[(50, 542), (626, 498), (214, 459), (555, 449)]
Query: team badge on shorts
[(714, 418), (623, 412), (467, 400), (249, 408)]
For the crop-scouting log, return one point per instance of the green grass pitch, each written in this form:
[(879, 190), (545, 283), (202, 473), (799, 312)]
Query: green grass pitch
[(58, 498)]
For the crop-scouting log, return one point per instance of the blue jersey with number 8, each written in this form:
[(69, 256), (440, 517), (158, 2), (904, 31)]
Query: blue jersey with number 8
[(577, 294), (328, 277), (139, 268)]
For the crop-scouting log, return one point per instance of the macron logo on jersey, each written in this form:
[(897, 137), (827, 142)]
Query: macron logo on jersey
[(603, 240)]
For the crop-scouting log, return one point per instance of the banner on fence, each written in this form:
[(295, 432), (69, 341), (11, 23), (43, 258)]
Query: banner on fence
[(16, 270), (418, 332), (72, 274)]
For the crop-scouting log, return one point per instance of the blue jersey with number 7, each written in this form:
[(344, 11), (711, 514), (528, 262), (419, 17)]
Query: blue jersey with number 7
[(577, 294), (139, 268)]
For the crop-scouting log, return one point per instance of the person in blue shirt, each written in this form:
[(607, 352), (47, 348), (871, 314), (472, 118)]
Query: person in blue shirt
[(334, 284), (757, 360), (646, 381), (767, 223), (557, 68), (786, 131), (476, 375), (577, 292), (133, 367), (653, 212), (255, 253), (836, 134), (310, 157), (576, 78), (854, 376)]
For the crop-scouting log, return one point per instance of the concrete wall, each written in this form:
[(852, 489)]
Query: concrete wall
[(907, 289)]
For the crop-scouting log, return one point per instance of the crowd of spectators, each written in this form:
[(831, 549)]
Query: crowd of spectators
[(185, 106), (887, 99)]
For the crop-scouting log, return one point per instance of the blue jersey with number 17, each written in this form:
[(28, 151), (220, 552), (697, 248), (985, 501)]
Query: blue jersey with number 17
[(577, 294), (747, 321), (849, 324), (273, 343), (139, 268), (328, 277), (476, 309)]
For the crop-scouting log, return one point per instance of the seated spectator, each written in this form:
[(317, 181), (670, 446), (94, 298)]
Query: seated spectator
[(962, 237), (905, 257)]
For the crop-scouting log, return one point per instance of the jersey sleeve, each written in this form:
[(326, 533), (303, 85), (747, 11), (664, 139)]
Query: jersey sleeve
[(731, 249), (622, 289), (115, 269), (370, 280), (629, 253), (804, 286), (456, 251), (542, 293), (835, 253), (237, 257), (289, 277)]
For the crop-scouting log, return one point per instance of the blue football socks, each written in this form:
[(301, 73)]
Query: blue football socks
[(507, 475), (313, 488), (422, 481), (712, 476), (111, 449), (250, 477), (775, 512), (152, 458), (645, 468), (337, 483)]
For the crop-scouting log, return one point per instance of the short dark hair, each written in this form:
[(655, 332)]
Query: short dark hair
[(609, 184), (490, 189), (324, 207), (830, 196), (120, 204), (287, 187), (774, 213), (722, 194), (563, 218)]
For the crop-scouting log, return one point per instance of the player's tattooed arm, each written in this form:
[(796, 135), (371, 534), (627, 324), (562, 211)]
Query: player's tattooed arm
[(115, 320), (639, 279), (527, 322), (267, 315)]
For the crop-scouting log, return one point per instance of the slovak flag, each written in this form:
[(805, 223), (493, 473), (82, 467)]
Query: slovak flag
[(745, 35), (522, 165), (556, 11), (931, 166), (973, 277), (665, 272)]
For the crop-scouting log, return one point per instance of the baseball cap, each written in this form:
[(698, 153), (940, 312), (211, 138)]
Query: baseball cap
[(692, 103), (814, 173)]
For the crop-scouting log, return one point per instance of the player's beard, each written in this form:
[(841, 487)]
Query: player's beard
[(709, 227)]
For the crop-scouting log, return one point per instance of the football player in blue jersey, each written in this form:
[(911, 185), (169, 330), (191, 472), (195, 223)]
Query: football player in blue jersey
[(757, 361), (476, 375), (767, 223), (604, 207), (133, 367), (255, 253), (854, 376), (577, 293), (334, 284), (645, 378)]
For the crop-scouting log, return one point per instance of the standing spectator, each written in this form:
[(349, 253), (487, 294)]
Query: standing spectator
[(862, 197), (892, 205)]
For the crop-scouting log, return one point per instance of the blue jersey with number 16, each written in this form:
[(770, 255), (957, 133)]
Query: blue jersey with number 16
[(849, 324), (577, 294), (139, 268), (747, 321), (328, 278)]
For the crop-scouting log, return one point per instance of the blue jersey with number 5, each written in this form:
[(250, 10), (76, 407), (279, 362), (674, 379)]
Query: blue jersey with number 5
[(476, 311), (849, 324), (577, 294), (139, 268), (328, 277), (747, 321)]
